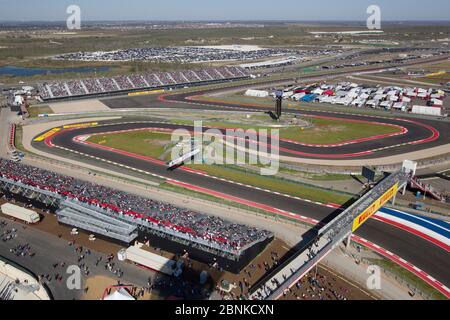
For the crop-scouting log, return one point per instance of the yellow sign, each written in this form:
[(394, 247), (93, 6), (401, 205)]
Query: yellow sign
[(145, 92), (436, 74), (80, 125), (370, 211), (47, 134)]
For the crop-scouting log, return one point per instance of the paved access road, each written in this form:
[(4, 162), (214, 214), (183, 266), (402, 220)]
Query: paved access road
[(49, 249)]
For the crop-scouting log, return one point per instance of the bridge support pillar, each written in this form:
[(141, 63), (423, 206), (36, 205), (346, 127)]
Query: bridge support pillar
[(393, 199), (349, 241)]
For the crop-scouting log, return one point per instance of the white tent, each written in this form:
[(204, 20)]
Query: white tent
[(400, 105), (359, 102), (322, 99), (341, 93), (364, 96), (18, 101), (341, 101), (386, 104), (318, 91), (257, 93), (325, 99), (287, 95), (120, 295), (406, 99), (436, 96), (422, 95), (393, 98), (431, 111), (372, 103), (352, 95), (392, 93)]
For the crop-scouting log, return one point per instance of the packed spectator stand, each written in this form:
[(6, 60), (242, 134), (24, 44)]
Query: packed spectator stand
[(164, 217), (124, 83)]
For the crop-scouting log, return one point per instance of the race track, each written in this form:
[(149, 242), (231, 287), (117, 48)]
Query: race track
[(417, 134)]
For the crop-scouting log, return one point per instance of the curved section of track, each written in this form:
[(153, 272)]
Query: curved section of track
[(416, 134), (413, 135)]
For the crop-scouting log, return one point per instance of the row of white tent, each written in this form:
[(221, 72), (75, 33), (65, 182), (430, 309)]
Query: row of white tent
[(361, 102), (352, 94), (385, 97)]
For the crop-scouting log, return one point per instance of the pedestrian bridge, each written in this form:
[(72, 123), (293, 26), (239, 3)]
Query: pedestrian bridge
[(329, 237)]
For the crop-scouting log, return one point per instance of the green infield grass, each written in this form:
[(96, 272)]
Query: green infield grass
[(158, 145)]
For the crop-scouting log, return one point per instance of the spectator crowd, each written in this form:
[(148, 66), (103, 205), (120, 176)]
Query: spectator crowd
[(163, 216)]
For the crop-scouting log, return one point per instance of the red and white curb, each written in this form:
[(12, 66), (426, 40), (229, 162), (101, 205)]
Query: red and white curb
[(12, 136)]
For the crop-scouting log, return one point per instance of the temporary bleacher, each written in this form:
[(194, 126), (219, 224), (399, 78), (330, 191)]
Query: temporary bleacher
[(81, 217)]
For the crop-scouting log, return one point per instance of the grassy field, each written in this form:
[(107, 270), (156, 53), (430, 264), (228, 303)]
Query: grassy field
[(438, 79), (36, 111), (149, 144), (322, 131), (330, 131), (155, 150), (433, 73), (274, 184), (318, 176), (228, 203), (157, 145), (409, 277)]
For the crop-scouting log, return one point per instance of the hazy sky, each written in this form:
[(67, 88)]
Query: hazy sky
[(55, 10)]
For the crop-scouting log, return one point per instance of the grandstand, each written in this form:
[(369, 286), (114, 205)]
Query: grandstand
[(125, 217), (123, 84)]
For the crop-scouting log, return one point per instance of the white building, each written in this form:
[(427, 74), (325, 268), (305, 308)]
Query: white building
[(257, 93), (28, 216)]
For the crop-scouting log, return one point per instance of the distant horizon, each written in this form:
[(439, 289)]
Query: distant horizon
[(230, 10), (225, 21)]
